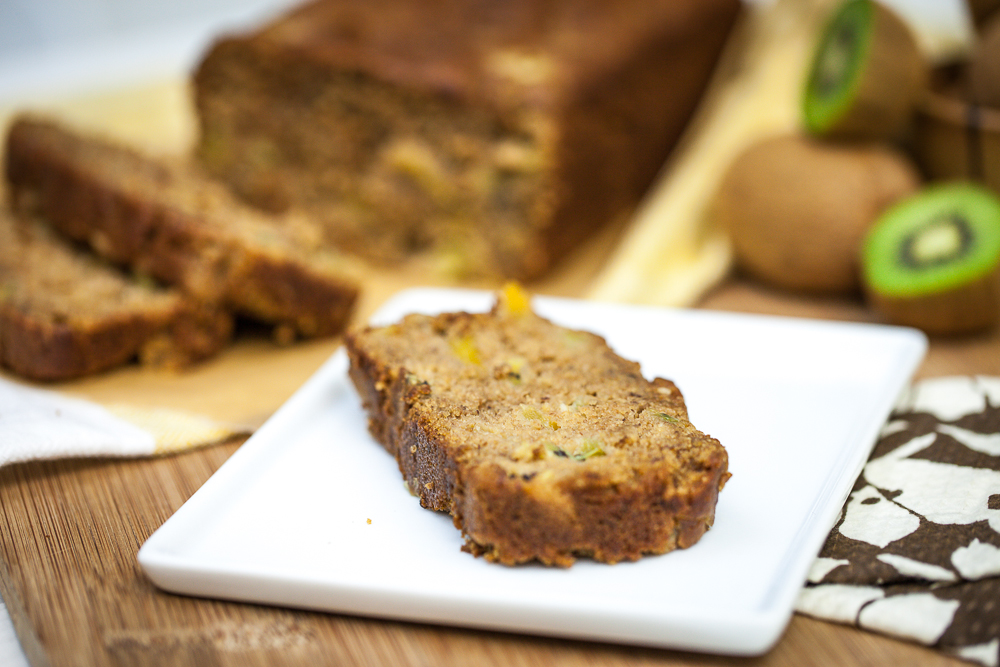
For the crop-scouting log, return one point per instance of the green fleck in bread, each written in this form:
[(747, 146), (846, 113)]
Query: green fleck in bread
[(65, 314), (540, 441), (171, 223)]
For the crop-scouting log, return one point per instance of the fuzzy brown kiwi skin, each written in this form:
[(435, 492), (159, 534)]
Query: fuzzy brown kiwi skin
[(970, 309), (797, 208), (984, 65), (895, 79)]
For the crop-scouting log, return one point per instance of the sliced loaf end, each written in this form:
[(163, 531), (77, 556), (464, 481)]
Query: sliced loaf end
[(167, 220), (65, 314)]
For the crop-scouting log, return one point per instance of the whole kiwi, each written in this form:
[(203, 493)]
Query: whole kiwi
[(866, 76), (984, 65), (797, 208)]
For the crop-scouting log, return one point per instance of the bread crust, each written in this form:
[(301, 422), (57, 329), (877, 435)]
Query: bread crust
[(653, 487), (65, 315), (501, 134), (179, 228)]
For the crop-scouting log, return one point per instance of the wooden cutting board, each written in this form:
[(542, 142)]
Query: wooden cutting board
[(70, 531)]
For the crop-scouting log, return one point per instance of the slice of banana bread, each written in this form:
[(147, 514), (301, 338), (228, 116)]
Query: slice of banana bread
[(65, 314), (541, 442), (167, 221)]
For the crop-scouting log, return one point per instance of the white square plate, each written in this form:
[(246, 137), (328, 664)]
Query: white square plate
[(311, 513)]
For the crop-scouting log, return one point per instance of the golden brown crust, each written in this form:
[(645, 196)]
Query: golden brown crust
[(179, 228), (65, 315), (541, 442), (501, 134)]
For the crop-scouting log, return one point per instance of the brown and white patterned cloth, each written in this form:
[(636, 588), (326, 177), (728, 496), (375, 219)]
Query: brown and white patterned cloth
[(916, 551)]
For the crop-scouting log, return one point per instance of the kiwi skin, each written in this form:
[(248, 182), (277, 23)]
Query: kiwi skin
[(797, 208), (984, 65), (894, 77), (963, 303), (969, 310)]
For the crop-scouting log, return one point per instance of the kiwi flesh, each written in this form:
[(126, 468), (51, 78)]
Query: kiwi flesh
[(866, 75), (796, 208), (932, 261)]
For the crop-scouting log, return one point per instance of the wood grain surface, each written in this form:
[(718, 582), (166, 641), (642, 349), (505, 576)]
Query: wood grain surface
[(70, 531)]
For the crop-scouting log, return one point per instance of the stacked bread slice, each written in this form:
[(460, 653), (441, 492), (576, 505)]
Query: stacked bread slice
[(198, 253), (65, 313)]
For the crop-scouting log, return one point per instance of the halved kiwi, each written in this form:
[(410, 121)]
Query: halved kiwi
[(866, 75), (932, 261)]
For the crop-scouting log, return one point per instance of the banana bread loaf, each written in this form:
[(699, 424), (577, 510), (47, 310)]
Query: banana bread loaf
[(65, 314), (497, 135), (173, 224), (541, 442)]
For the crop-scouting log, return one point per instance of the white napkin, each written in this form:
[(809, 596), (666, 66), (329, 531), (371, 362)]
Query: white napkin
[(40, 424), (11, 653)]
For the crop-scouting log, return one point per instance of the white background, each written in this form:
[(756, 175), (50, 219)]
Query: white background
[(57, 47)]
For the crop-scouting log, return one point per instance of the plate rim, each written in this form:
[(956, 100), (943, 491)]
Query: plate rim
[(749, 634)]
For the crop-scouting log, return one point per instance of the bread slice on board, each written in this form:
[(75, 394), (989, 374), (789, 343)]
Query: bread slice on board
[(64, 313), (171, 223)]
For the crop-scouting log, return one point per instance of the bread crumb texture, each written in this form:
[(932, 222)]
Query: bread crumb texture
[(542, 442), (65, 313)]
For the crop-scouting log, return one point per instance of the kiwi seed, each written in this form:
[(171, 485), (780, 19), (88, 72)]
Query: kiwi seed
[(932, 261), (866, 76)]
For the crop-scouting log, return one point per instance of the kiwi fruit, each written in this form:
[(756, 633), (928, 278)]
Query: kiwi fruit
[(932, 261), (984, 65), (866, 75), (796, 208)]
